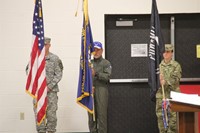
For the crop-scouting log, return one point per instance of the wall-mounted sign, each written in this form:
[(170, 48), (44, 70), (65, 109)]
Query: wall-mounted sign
[(198, 50), (138, 50)]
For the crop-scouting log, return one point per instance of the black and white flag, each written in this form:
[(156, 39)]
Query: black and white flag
[(155, 50)]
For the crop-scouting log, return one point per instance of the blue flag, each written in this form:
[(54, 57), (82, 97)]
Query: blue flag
[(155, 50), (84, 94)]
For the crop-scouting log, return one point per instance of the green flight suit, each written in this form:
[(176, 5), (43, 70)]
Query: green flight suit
[(172, 74), (102, 69)]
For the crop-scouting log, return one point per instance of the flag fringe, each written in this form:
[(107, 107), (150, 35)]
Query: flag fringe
[(89, 110), (38, 123), (30, 94)]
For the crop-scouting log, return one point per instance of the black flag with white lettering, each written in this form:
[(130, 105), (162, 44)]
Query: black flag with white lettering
[(155, 50)]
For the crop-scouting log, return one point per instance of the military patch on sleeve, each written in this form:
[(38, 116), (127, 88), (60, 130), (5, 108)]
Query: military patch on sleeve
[(60, 64), (108, 66)]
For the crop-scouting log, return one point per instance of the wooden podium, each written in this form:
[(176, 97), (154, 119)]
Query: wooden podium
[(187, 116)]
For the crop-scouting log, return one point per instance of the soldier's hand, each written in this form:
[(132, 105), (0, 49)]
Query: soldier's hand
[(93, 72), (162, 82), (93, 89), (161, 77)]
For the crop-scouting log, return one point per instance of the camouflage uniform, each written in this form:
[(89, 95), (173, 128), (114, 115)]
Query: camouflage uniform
[(172, 74), (102, 68), (54, 69)]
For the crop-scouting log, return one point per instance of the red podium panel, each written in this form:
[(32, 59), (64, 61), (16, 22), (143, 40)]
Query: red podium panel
[(191, 89)]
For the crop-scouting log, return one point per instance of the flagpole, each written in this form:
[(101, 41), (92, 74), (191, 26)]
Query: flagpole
[(165, 111), (93, 115), (94, 119)]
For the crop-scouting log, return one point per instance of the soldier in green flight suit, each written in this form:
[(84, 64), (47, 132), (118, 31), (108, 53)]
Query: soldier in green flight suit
[(170, 75), (101, 74)]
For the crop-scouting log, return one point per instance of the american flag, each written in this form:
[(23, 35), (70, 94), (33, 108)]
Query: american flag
[(36, 84)]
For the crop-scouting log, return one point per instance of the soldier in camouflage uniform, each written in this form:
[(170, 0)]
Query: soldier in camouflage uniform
[(101, 74), (54, 70), (170, 75)]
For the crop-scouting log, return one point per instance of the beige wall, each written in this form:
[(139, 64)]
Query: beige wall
[(65, 30)]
